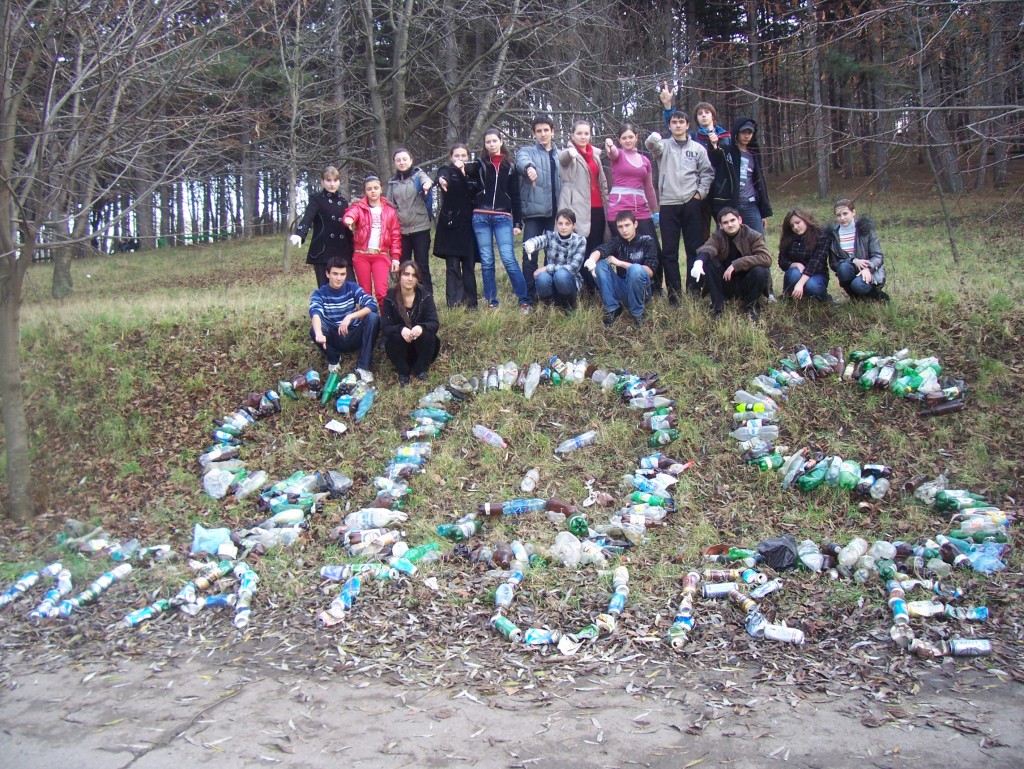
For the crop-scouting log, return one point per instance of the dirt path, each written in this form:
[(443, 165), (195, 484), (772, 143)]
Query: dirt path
[(191, 711)]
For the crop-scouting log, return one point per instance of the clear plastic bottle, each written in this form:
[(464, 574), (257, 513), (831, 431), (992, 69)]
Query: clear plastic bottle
[(584, 439), (488, 436), (530, 480), (850, 554), (748, 432), (532, 380)]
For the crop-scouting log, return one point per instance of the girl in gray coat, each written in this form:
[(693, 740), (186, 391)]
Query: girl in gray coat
[(409, 191)]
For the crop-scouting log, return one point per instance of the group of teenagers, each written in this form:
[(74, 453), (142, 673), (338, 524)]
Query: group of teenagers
[(599, 238)]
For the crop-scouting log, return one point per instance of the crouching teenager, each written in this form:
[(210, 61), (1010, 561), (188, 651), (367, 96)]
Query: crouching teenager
[(855, 255), (343, 318), (734, 264), (559, 279), (624, 267), (409, 324)]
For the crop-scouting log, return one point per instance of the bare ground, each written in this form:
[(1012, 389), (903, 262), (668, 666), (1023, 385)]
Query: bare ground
[(184, 709)]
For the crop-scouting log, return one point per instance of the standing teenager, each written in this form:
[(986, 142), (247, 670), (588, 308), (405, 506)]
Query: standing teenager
[(377, 238), (409, 193), (539, 187), (633, 188), (584, 190), (498, 217), (324, 213), (454, 240)]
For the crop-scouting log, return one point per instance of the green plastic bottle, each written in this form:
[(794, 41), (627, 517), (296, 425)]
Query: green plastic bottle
[(663, 438), (769, 461), (813, 479), (461, 530), (414, 554), (330, 387), (578, 525), (849, 474)]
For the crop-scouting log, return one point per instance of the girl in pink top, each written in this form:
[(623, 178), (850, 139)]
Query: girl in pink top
[(633, 188)]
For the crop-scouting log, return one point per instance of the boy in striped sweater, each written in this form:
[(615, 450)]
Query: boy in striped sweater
[(344, 318)]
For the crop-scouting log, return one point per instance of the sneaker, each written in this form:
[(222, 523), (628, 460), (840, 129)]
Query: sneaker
[(640, 319), (493, 305), (525, 309), (403, 379), (364, 375), (771, 297), (753, 314), (611, 317), (334, 368), (421, 376), (882, 296)]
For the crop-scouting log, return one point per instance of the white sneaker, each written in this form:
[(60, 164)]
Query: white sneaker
[(334, 368), (363, 374)]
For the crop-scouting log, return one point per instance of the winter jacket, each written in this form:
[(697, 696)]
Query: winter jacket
[(642, 250), (561, 252), (684, 169), (750, 244), (814, 262), (330, 237), (415, 207), (575, 193), (454, 234), (540, 199), (497, 191), (866, 246), (726, 161), (422, 313), (390, 232)]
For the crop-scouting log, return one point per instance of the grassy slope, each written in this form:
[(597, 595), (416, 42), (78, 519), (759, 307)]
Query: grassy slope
[(124, 378)]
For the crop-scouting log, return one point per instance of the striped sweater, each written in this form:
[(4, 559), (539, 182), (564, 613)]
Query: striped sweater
[(333, 305), (561, 252)]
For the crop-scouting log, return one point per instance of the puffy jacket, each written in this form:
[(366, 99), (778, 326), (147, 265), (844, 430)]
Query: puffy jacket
[(415, 207), (498, 190), (865, 246), (538, 199), (390, 232), (725, 190)]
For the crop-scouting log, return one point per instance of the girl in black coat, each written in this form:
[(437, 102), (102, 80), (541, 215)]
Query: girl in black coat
[(409, 325), (454, 240), (330, 237)]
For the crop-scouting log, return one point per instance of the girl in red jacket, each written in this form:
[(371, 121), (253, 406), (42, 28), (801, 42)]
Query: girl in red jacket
[(377, 237)]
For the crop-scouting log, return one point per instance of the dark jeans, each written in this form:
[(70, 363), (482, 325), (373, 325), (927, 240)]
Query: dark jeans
[(816, 285), (362, 335), (460, 281), (646, 227), (532, 227), (746, 286), (413, 357), (853, 285), (685, 221), (417, 245), (594, 239)]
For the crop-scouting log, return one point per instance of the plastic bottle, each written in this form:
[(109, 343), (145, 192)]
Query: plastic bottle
[(849, 474), (584, 439), (768, 461), (489, 437), (748, 432), (658, 422), (810, 555), (461, 530), (531, 381), (814, 478), (250, 484), (850, 554), (792, 467), (662, 438), (513, 506), (651, 402), (566, 549), (374, 518)]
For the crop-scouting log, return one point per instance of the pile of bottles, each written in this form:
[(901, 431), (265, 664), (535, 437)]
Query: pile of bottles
[(755, 428), (917, 379), (640, 392)]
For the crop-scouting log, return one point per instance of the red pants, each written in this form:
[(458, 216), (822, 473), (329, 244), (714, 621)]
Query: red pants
[(372, 272)]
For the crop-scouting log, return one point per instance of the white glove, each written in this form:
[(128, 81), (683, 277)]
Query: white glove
[(528, 248), (295, 240), (697, 271)]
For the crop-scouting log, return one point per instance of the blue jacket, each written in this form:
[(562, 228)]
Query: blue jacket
[(540, 199)]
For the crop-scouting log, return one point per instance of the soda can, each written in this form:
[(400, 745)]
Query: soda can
[(968, 647), (717, 589), (745, 603), (721, 575), (617, 603), (752, 577), (677, 636), (926, 608), (972, 614), (784, 634), (541, 636), (766, 589), (900, 615), (587, 633), (506, 627), (606, 622)]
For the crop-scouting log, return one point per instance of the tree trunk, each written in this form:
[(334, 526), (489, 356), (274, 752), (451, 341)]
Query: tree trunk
[(879, 122), (12, 401), (754, 41), (250, 188), (941, 152), (821, 148)]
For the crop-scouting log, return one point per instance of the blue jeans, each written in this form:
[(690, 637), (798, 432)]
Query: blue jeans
[(362, 335), (850, 280), (632, 291), (816, 285), (497, 228), (559, 285), (751, 216)]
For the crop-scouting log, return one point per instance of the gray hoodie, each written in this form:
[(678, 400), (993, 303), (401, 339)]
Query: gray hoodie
[(684, 169)]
